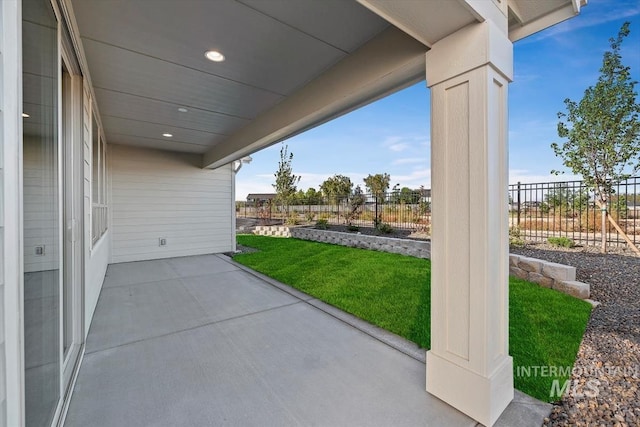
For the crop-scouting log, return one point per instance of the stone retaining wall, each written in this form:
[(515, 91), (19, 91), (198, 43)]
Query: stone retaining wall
[(416, 248), (547, 274), (272, 230)]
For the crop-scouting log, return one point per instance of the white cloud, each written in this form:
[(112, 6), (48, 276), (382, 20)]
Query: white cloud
[(528, 177), (400, 143), (409, 161), (399, 147), (617, 11), (416, 178), (390, 140)]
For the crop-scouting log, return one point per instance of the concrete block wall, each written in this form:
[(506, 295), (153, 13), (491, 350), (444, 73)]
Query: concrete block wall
[(415, 248), (273, 230), (549, 275)]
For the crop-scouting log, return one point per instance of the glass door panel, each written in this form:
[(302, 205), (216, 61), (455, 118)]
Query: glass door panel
[(41, 212), (72, 206), (67, 240)]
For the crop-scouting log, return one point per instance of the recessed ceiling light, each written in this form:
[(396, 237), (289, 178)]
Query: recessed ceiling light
[(214, 55), (167, 135), (182, 110), (25, 115)]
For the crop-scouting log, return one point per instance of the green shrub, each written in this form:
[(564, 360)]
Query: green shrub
[(322, 224), (309, 216), (353, 228), (377, 222), (515, 237), (291, 220), (385, 228), (565, 242)]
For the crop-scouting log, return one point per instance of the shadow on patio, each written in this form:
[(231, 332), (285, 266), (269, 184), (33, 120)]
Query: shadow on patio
[(199, 341)]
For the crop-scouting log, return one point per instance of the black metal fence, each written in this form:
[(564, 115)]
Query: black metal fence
[(538, 211), (398, 211), (568, 209)]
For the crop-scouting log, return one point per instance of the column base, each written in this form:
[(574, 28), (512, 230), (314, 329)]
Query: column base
[(481, 398)]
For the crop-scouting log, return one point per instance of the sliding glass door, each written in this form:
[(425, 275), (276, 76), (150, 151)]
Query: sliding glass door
[(52, 200), (72, 199), (42, 244)]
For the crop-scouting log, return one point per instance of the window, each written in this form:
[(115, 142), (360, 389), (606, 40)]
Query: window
[(99, 183)]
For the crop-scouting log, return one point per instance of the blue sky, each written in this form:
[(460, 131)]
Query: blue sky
[(392, 134)]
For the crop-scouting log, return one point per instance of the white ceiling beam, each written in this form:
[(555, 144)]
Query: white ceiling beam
[(515, 10), (426, 21), (389, 62), (532, 25), (491, 10)]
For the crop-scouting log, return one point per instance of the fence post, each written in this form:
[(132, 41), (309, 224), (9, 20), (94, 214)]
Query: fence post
[(375, 221), (518, 201)]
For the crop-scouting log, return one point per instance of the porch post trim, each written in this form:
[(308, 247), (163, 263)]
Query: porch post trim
[(468, 365)]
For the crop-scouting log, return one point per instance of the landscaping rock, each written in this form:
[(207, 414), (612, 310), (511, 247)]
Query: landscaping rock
[(593, 303), (530, 265), (573, 288), (559, 272), (514, 260), (544, 281), (519, 273)]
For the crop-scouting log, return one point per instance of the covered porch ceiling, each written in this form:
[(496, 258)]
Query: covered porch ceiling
[(289, 65)]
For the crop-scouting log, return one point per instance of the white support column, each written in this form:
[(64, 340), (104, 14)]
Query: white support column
[(468, 365), (233, 165)]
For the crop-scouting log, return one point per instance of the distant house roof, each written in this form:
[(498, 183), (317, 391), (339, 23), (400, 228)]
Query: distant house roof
[(425, 192), (261, 196)]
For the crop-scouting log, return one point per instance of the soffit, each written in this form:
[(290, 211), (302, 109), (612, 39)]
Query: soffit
[(146, 59)]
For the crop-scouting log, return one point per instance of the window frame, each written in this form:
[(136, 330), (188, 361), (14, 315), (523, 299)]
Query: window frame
[(99, 205)]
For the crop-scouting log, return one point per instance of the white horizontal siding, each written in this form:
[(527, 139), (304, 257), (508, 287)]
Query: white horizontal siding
[(160, 194)]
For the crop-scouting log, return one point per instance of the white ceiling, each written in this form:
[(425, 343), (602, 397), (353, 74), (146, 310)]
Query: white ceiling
[(146, 59)]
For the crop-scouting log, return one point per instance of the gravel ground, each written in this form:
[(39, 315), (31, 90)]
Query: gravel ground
[(605, 388)]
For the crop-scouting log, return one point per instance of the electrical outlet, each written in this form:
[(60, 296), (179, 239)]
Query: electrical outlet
[(39, 250), (163, 241)]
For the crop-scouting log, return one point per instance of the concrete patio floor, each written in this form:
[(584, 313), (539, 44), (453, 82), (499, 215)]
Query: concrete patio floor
[(202, 341)]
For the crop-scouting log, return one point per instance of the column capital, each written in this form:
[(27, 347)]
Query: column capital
[(471, 47)]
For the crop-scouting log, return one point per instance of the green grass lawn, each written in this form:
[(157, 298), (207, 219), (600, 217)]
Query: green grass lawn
[(393, 291)]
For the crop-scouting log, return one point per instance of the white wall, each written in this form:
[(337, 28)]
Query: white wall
[(162, 194)]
